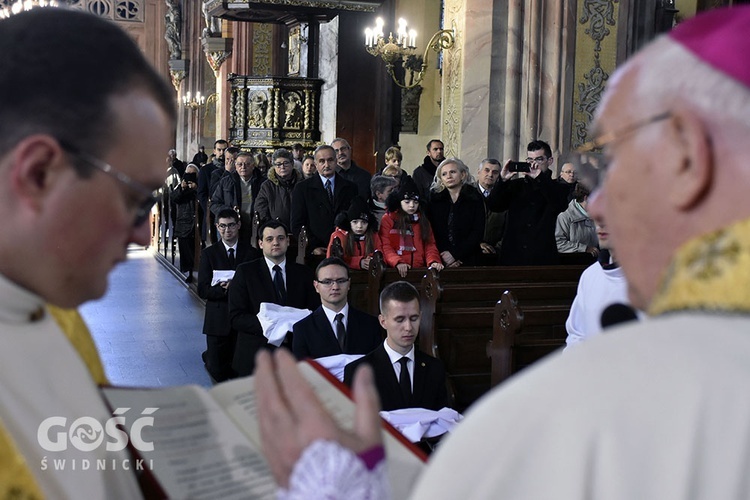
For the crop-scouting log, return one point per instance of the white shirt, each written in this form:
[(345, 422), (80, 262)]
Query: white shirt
[(598, 288), (331, 315), (233, 247), (395, 356), (271, 265)]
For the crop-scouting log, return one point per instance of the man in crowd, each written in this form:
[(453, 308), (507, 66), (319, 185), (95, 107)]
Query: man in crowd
[(200, 158), (224, 255), (533, 201), (229, 156), (80, 160), (335, 327), (405, 376), (568, 173), (657, 409), (204, 186), (349, 170), (298, 154), (494, 222), (425, 173), (238, 190), (176, 163), (271, 279), (317, 200)]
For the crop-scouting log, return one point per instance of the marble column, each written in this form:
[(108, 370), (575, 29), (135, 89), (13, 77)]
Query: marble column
[(329, 71), (506, 80)]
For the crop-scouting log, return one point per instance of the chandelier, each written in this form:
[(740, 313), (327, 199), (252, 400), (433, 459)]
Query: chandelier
[(9, 7), (193, 102)]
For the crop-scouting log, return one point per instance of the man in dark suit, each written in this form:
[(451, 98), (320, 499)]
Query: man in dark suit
[(204, 185), (348, 168), (335, 327), (317, 200), (405, 377), (225, 255), (533, 201), (269, 279)]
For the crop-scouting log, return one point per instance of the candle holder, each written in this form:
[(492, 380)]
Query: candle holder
[(193, 102), (394, 49)]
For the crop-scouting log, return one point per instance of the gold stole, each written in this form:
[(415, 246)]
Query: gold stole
[(16, 480), (710, 273)]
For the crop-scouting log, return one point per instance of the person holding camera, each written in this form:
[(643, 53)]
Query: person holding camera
[(185, 198), (532, 200)]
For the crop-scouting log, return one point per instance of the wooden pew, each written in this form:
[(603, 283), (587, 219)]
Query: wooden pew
[(458, 311), (458, 307), (523, 334)]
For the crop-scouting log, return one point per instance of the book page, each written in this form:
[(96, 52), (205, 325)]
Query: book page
[(197, 451), (237, 397)]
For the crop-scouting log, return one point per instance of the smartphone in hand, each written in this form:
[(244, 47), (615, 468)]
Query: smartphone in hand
[(519, 166)]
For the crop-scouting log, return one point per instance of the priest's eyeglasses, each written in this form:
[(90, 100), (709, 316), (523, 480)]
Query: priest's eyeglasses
[(148, 197), (591, 166), (231, 225)]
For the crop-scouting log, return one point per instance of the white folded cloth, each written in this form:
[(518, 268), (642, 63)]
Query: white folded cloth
[(278, 320), (220, 276), (336, 363), (418, 423)]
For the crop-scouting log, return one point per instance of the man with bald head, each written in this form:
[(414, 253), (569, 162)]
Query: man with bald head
[(349, 170), (651, 410)]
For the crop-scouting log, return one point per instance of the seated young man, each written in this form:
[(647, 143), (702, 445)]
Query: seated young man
[(405, 377), (335, 327)]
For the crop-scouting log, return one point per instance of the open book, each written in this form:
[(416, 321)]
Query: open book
[(206, 443)]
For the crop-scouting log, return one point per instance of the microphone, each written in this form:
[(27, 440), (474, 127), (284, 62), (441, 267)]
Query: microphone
[(617, 313)]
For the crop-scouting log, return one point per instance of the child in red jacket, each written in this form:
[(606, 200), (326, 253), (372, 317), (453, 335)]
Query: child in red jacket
[(358, 233), (406, 234)]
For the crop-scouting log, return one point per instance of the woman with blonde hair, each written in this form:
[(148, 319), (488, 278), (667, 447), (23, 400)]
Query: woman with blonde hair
[(456, 213)]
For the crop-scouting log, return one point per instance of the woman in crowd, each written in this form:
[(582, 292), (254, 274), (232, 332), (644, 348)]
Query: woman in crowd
[(308, 167), (263, 163), (456, 213), (575, 231), (274, 199)]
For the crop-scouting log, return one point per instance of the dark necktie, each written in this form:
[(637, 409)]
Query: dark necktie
[(329, 190), (404, 381), (232, 262), (278, 281), (340, 330)]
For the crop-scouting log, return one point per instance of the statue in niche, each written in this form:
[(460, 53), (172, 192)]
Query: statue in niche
[(294, 51), (213, 24), (173, 26), (293, 110), (258, 104)]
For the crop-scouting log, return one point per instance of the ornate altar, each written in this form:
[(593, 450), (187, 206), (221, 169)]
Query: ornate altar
[(272, 112)]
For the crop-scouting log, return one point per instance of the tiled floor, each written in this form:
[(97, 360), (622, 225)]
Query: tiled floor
[(148, 326)]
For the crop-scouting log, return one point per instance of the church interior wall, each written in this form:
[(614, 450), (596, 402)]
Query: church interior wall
[(424, 17)]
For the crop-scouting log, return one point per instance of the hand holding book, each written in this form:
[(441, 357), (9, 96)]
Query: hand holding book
[(292, 417)]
